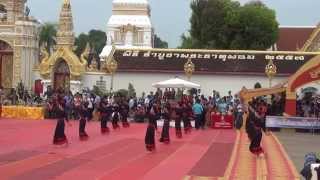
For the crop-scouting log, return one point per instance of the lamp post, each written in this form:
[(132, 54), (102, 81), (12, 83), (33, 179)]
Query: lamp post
[(189, 68), (112, 66), (271, 71)]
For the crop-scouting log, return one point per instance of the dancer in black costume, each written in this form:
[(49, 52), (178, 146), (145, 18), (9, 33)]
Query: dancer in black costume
[(186, 113), (254, 131), (84, 117), (165, 135), (124, 111), (177, 118), (150, 137), (61, 114), (115, 116), (105, 113), (154, 113)]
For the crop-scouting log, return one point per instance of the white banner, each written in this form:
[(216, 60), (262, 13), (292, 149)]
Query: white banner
[(292, 122)]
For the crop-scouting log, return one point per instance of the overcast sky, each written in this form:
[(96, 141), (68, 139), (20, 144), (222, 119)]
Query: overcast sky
[(170, 18)]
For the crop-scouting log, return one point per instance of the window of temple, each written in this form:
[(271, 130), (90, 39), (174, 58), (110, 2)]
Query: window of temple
[(118, 37), (3, 13), (138, 38)]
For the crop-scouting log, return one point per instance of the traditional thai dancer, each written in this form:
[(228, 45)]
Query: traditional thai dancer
[(150, 136), (186, 115), (105, 112), (262, 111), (84, 117), (165, 135), (177, 118), (77, 105), (59, 110), (124, 111), (254, 130), (154, 113), (115, 116)]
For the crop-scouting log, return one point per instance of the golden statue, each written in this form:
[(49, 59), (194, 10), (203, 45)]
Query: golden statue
[(189, 68)]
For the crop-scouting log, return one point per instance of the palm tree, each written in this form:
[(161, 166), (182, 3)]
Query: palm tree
[(48, 35)]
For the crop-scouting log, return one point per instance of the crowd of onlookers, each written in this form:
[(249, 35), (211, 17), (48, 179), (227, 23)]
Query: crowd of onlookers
[(308, 105)]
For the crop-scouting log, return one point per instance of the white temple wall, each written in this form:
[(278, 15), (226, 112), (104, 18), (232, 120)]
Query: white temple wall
[(147, 37), (26, 41), (90, 79), (142, 82), (27, 63), (221, 83)]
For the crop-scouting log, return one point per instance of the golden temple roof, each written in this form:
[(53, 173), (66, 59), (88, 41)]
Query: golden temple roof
[(65, 43)]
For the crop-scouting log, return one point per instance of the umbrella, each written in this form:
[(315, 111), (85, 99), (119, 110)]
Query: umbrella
[(175, 83), (309, 90)]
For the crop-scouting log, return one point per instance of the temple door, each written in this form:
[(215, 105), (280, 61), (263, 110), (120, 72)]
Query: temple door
[(6, 65), (62, 76)]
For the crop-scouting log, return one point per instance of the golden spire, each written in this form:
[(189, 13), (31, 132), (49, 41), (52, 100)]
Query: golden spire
[(65, 34), (66, 1)]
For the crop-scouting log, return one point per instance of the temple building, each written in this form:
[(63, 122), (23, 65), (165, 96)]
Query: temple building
[(129, 42), (220, 70), (63, 69), (129, 26), (19, 47), (293, 38)]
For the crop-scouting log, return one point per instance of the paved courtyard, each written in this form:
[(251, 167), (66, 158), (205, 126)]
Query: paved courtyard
[(299, 144), (27, 153)]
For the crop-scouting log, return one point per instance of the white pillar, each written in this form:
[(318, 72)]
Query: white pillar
[(129, 38)]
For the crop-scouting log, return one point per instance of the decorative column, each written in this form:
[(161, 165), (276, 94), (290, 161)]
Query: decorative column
[(16, 67), (112, 66), (271, 71), (189, 68), (291, 104)]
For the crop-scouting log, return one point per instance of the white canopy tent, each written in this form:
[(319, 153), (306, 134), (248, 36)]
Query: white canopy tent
[(176, 83)]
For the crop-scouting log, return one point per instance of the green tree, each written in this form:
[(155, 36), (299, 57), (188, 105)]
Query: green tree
[(158, 43), (209, 22), (131, 91), (97, 91), (225, 24), (47, 37), (97, 40), (255, 27), (257, 85), (187, 42), (81, 42), (122, 93)]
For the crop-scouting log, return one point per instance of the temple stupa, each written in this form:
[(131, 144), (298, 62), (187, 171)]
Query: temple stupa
[(129, 26)]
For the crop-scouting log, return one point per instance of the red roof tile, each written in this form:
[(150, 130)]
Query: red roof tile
[(293, 38)]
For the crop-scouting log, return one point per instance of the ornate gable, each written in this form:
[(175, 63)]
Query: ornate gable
[(77, 67), (313, 43), (65, 41)]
